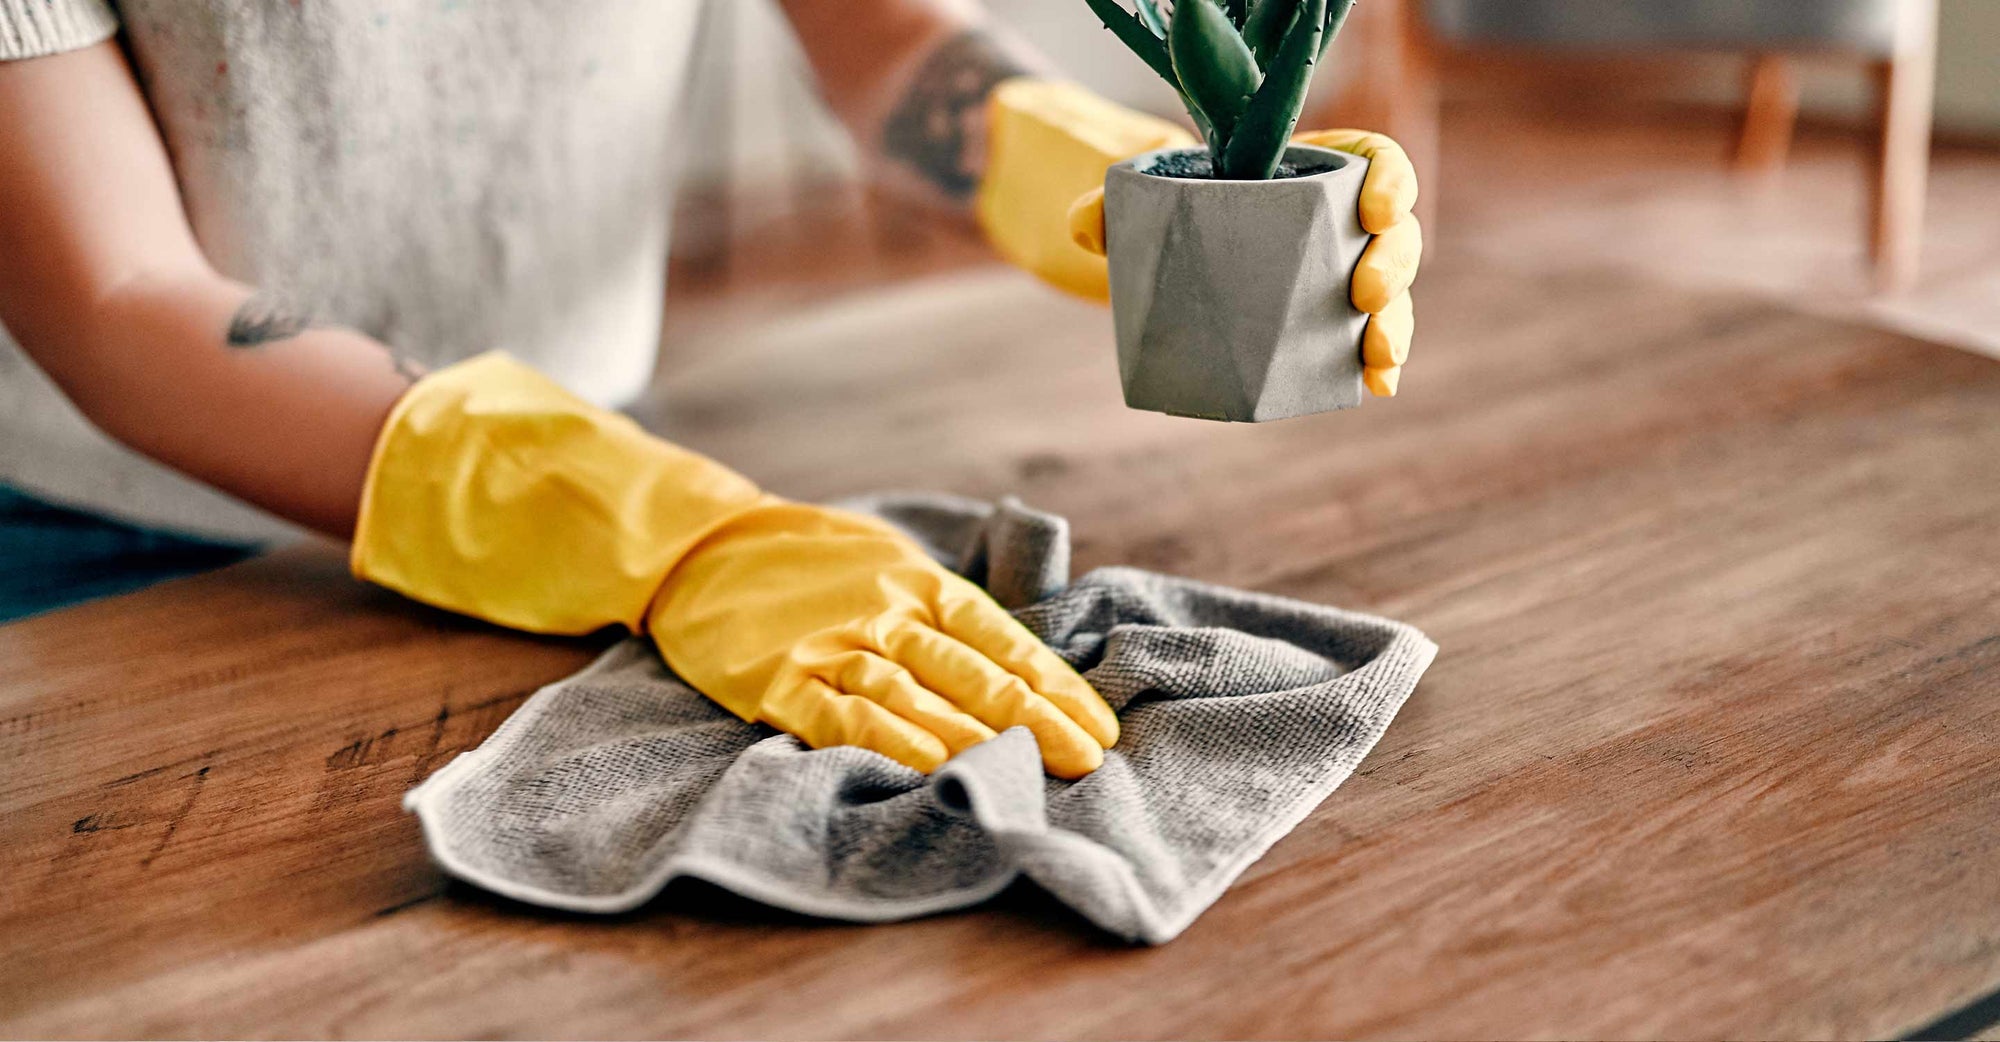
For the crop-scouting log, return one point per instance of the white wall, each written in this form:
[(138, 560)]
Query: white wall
[(1969, 67)]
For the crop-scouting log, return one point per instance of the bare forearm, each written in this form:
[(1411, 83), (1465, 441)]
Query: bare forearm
[(910, 79), (103, 285), (219, 382)]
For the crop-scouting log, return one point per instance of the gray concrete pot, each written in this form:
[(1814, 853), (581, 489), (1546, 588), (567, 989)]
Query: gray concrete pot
[(1231, 297)]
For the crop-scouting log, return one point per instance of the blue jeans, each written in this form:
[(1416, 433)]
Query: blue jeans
[(52, 557)]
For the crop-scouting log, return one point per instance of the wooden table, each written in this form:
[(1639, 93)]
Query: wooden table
[(1710, 748)]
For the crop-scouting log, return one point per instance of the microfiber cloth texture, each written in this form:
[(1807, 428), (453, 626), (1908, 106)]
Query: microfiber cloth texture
[(1240, 713)]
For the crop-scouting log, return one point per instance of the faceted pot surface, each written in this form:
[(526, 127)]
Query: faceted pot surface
[(1231, 297)]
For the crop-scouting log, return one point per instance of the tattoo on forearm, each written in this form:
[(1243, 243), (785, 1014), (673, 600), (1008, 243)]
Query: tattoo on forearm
[(935, 127), (266, 318)]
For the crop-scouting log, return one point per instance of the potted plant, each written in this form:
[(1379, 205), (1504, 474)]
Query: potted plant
[(1230, 263)]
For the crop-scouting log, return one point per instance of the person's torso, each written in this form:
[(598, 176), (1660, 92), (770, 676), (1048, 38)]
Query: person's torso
[(448, 177)]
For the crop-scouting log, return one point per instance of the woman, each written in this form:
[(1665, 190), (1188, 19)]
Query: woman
[(234, 236)]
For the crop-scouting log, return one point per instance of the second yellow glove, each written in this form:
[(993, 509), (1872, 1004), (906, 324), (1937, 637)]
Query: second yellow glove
[(1382, 277), (1047, 143), (1041, 202)]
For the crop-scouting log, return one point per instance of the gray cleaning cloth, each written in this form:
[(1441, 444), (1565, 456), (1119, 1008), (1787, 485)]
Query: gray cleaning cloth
[(1240, 713)]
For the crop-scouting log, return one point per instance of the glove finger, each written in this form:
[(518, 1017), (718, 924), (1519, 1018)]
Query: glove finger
[(988, 629), (1388, 266), (1389, 191), (890, 686), (822, 717), (1382, 380), (974, 683), (1086, 221), (1386, 340)]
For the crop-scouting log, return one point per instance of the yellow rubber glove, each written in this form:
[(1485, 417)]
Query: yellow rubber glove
[(1382, 277), (495, 493), (1048, 142), (838, 629)]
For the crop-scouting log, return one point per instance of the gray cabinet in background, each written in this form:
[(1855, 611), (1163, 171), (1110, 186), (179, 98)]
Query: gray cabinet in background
[(1864, 25)]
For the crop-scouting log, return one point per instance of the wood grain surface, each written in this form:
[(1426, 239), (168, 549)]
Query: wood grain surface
[(1709, 749)]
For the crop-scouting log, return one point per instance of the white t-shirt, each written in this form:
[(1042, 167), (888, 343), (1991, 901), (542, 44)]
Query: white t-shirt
[(447, 176)]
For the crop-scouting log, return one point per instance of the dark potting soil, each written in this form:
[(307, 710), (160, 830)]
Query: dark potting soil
[(1198, 165)]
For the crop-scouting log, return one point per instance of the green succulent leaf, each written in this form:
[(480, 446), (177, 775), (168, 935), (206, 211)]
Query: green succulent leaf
[(1266, 28), (1216, 70), (1257, 141), (1336, 16), (1149, 13)]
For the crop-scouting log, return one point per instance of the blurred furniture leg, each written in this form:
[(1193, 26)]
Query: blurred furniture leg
[(1897, 38), (1770, 111), (1904, 85)]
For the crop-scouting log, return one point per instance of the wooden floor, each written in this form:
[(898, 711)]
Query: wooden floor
[(1708, 749), (1650, 193)]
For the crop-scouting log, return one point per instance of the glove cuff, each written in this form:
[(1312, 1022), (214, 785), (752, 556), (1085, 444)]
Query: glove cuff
[(495, 493), (1049, 142)]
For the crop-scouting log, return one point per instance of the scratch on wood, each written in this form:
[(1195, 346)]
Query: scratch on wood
[(355, 753), (406, 905), (174, 823), (1370, 771), (97, 823), (139, 775), (15, 726), (437, 741), (348, 755), (161, 769)]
